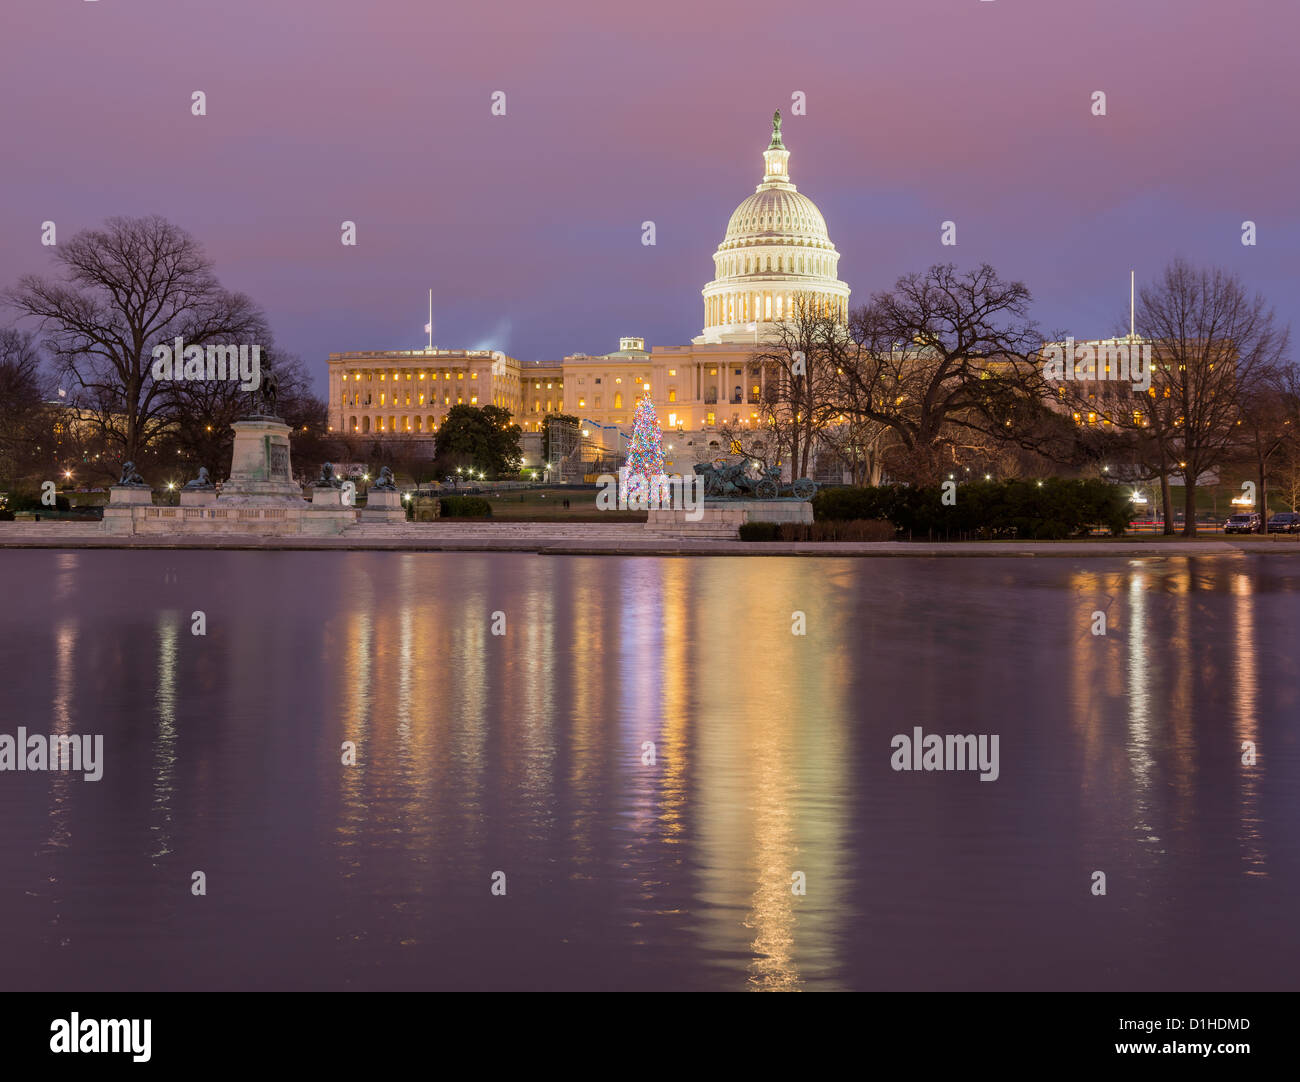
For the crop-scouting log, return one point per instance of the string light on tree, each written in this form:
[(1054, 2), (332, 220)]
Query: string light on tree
[(645, 454)]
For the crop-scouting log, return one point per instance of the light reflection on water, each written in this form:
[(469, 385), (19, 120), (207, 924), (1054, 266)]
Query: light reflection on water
[(527, 754)]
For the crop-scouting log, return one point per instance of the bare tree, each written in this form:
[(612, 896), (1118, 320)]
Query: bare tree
[(860, 444), (1269, 414), (24, 415), (945, 361), (1288, 472), (1119, 420), (137, 283), (799, 361), (1214, 348)]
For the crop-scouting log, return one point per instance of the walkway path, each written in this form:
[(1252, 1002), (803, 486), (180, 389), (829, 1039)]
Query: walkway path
[(613, 538)]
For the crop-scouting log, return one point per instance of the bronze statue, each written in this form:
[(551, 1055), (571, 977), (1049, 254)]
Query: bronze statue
[(734, 482), (269, 389), (327, 478), (203, 481), (385, 482), (130, 477)]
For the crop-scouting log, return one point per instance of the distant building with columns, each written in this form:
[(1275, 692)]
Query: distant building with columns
[(776, 248)]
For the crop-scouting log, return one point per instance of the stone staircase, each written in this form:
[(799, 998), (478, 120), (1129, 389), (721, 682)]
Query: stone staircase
[(525, 532), (698, 531)]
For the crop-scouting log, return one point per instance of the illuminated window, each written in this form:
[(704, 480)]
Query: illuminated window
[(708, 418), (672, 371), (582, 403), (672, 394), (618, 401)]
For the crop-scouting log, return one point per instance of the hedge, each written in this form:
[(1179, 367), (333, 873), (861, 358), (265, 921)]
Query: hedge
[(1051, 509)]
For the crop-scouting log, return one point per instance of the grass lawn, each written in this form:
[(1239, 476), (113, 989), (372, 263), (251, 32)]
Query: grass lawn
[(547, 505)]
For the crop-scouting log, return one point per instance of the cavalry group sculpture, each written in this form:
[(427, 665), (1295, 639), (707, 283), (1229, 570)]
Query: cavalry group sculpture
[(733, 481)]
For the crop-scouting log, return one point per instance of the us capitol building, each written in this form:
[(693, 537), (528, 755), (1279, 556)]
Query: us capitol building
[(776, 248)]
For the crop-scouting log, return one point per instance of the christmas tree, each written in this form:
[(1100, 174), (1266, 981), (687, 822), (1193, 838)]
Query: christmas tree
[(645, 454)]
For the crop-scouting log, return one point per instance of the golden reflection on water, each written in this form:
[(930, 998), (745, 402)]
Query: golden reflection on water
[(164, 745), (749, 724), (1165, 625), (62, 723), (1246, 720)]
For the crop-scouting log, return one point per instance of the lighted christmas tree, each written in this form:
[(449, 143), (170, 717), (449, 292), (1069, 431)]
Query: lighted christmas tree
[(645, 453)]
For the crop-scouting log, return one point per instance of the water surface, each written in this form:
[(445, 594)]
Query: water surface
[(523, 753)]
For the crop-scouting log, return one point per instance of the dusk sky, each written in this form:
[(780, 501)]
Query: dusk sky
[(528, 227)]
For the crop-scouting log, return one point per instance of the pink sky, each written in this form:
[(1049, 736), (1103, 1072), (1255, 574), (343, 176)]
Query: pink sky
[(527, 227)]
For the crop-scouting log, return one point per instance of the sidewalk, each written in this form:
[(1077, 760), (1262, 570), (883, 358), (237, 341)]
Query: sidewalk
[(614, 539)]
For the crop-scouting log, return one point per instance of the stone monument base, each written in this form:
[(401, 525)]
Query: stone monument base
[(259, 463), (198, 497)]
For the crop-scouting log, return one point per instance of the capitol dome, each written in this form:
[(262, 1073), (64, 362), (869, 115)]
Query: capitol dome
[(776, 250)]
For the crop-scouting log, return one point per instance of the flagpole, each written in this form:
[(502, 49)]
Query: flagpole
[(1130, 305), (431, 320)]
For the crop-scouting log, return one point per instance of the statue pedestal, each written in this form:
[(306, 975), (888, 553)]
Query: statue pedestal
[(259, 467), (130, 495), (328, 514), (722, 519), (119, 515), (198, 497), (383, 507)]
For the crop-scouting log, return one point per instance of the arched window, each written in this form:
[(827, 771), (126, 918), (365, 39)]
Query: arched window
[(352, 424), (618, 401), (365, 424)]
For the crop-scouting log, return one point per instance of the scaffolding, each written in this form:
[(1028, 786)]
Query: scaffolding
[(589, 448)]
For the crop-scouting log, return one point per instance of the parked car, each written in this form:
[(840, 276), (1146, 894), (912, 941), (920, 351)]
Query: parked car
[(1246, 522), (1285, 522)]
